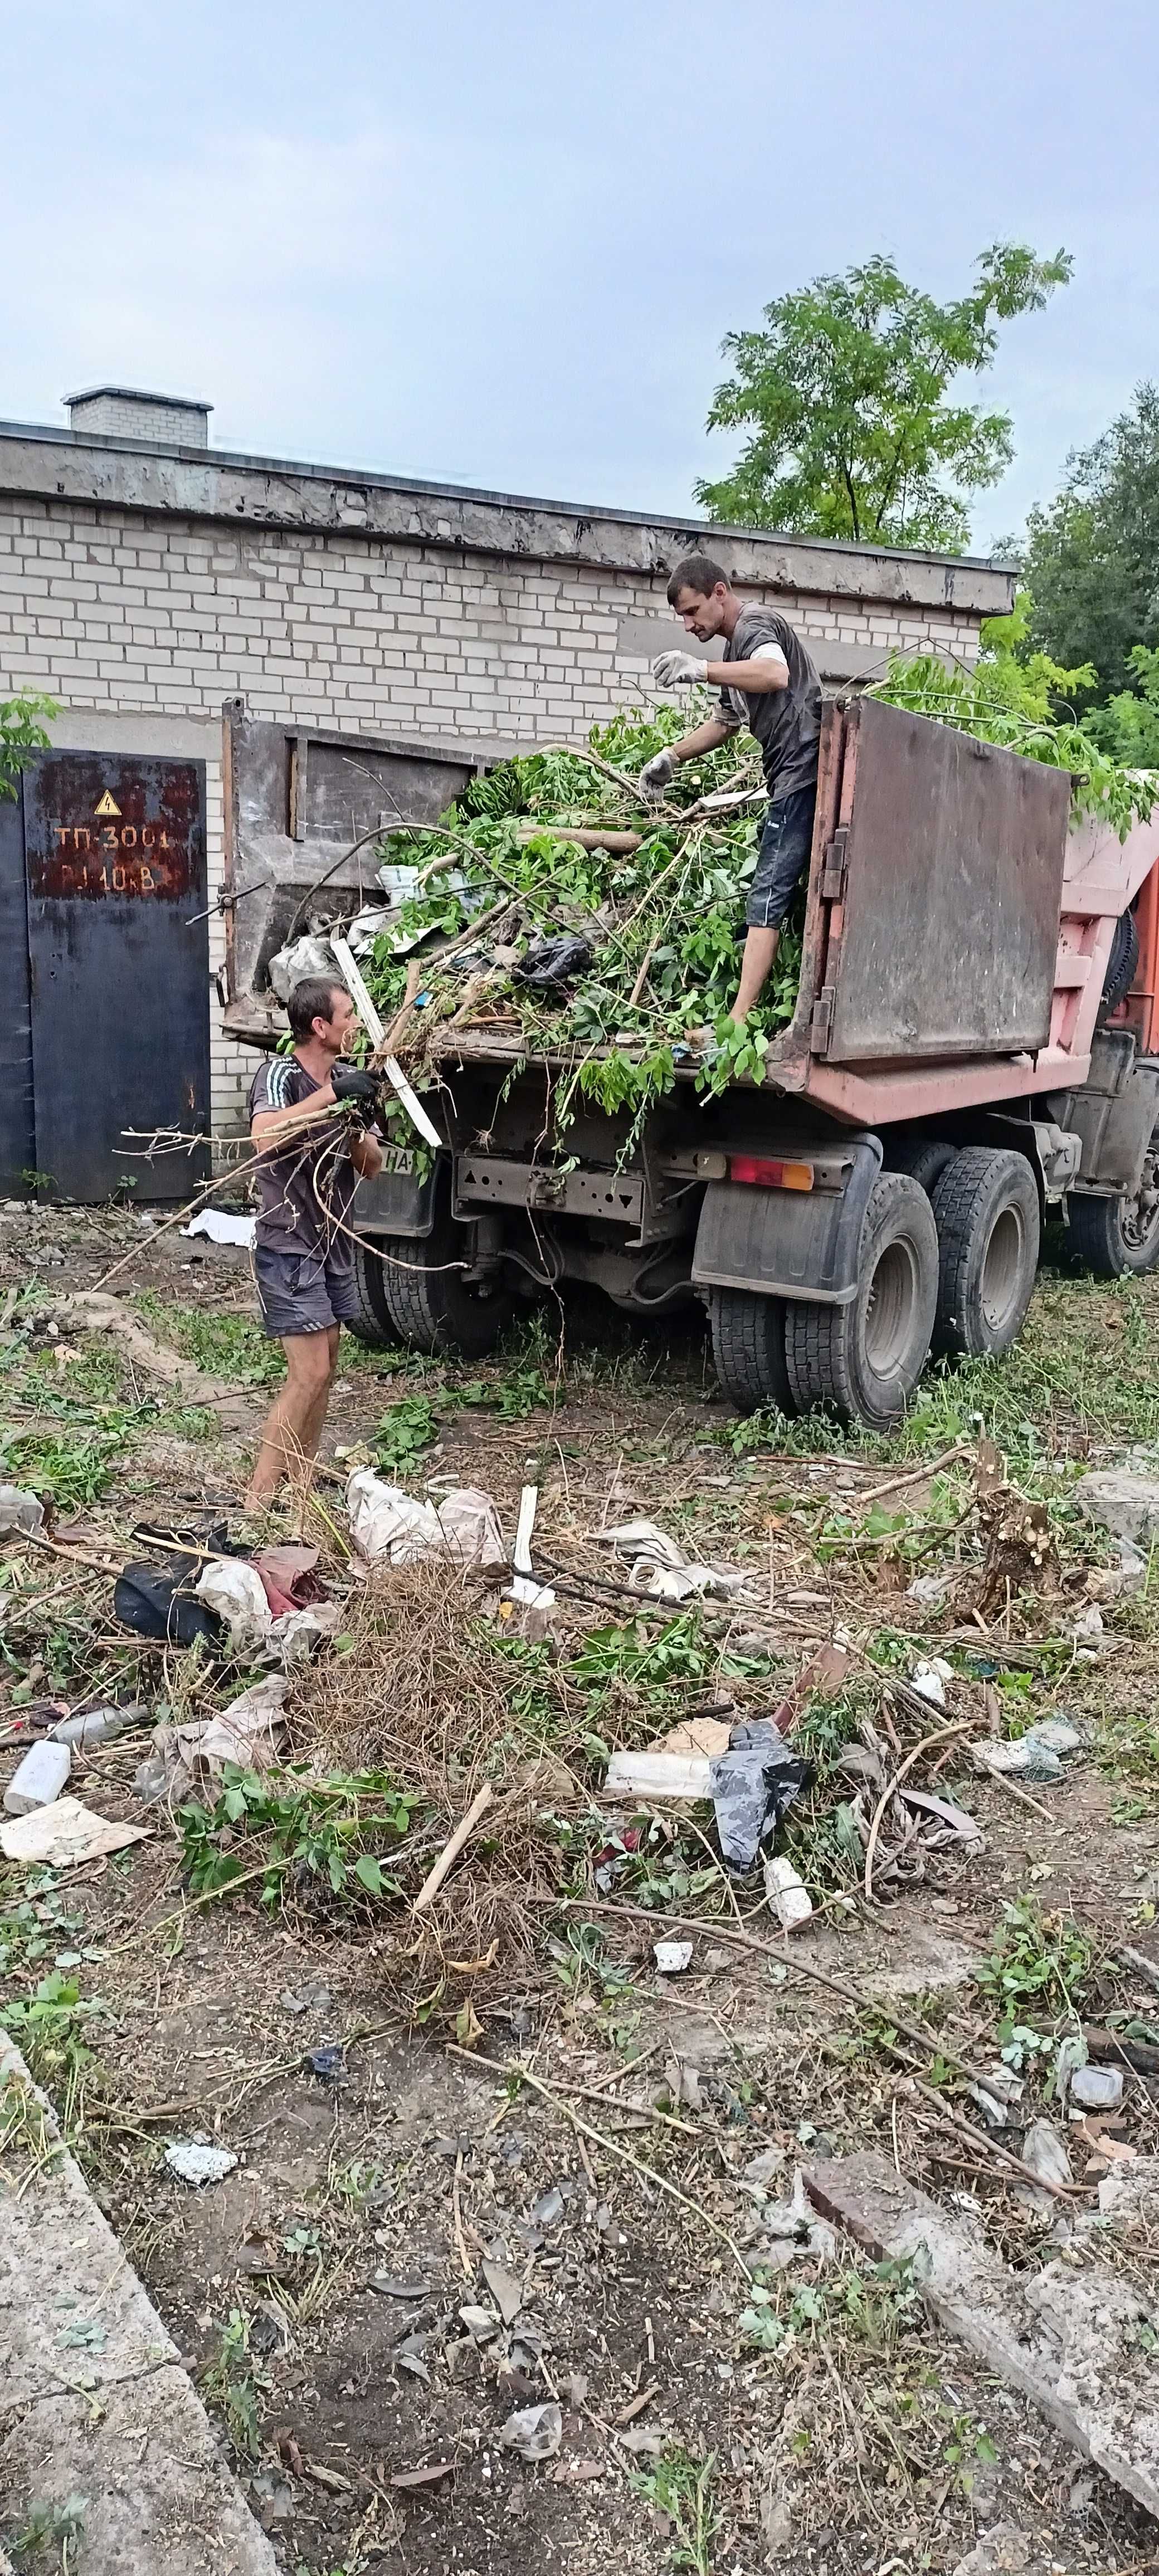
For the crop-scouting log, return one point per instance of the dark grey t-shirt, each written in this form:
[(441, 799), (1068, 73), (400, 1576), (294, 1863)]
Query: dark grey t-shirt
[(785, 722), (293, 1215)]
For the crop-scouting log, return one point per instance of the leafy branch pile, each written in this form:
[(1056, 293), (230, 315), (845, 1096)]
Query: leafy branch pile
[(665, 919)]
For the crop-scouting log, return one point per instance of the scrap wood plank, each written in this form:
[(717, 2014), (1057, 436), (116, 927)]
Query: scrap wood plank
[(1066, 2338)]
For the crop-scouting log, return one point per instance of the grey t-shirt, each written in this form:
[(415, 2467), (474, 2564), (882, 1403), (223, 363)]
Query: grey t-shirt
[(293, 1214), (785, 722)]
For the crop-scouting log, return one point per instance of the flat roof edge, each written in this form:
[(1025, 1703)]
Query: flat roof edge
[(217, 483)]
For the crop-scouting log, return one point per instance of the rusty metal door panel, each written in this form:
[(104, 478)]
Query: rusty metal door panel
[(115, 861), (17, 1132), (944, 940)]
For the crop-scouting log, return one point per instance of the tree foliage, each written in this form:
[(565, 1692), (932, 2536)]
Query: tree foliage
[(1092, 558), (22, 722), (846, 393)]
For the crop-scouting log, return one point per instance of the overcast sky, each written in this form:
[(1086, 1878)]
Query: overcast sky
[(500, 244)]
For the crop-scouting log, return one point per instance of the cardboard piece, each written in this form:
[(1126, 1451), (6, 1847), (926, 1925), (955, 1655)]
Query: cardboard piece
[(60, 1836)]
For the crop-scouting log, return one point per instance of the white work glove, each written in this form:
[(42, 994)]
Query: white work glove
[(657, 774), (679, 670)]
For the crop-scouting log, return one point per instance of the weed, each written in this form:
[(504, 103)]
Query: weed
[(357, 2183), (631, 1654), (680, 2488), (32, 1927), (228, 1346), (337, 1831), (1038, 1959), (52, 2526), (874, 2305), (234, 2385), (404, 1433), (48, 2028)]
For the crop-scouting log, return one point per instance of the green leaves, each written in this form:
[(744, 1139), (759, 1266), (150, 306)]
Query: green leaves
[(22, 723), (845, 393), (336, 1832)]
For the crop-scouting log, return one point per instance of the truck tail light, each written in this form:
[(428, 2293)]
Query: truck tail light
[(764, 1175)]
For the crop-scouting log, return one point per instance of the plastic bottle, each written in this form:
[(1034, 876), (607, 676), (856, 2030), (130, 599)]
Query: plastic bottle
[(97, 1726), (39, 1778)]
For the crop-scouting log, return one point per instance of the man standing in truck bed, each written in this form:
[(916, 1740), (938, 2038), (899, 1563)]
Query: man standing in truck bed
[(767, 682)]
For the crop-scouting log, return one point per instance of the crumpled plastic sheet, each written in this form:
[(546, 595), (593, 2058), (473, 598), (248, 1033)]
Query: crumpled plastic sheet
[(386, 1522), (752, 1786), (661, 1568)]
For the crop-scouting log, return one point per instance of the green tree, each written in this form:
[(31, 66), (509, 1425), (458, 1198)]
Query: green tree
[(1128, 725), (846, 394), (1092, 556), (22, 722)]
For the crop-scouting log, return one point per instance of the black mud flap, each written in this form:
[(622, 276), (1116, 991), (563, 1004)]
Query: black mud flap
[(787, 1243), (401, 1200)]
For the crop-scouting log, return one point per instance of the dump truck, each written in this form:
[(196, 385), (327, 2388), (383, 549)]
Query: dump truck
[(969, 1058)]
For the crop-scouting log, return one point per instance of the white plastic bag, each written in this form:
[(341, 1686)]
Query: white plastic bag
[(232, 1589)]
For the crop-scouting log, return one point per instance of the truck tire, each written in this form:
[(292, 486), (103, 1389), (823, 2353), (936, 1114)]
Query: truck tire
[(374, 1326), (748, 1349), (430, 1304), (1115, 1236), (987, 1214), (925, 1158), (864, 1359), (1121, 964)]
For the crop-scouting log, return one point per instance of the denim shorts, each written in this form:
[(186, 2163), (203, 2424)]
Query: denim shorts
[(304, 1292), (785, 845)]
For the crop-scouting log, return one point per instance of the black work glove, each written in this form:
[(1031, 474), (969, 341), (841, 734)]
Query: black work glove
[(349, 1082)]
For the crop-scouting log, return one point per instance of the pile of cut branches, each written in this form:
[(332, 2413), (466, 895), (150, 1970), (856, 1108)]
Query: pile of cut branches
[(560, 843)]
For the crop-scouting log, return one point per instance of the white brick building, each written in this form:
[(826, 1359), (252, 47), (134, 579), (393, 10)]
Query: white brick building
[(142, 583)]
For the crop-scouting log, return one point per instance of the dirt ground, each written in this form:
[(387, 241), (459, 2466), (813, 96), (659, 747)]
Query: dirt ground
[(519, 2088)]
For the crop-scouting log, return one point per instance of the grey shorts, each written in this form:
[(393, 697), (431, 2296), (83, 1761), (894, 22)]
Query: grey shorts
[(785, 845), (304, 1292)]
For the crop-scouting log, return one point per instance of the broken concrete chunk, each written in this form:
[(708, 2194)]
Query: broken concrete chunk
[(1126, 1504), (482, 2324), (929, 1678), (672, 1957), (534, 2432), (1065, 2339)]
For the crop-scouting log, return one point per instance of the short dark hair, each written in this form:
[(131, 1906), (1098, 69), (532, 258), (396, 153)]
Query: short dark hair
[(697, 572), (312, 999)]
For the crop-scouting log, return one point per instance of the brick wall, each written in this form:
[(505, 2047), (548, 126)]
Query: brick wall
[(166, 615)]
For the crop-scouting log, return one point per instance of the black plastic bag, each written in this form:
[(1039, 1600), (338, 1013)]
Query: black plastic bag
[(152, 1600), (753, 1785), (550, 963)]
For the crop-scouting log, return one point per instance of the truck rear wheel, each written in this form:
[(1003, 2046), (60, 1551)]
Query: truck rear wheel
[(748, 1348), (924, 1159), (374, 1326), (430, 1303), (986, 1207), (1114, 1236), (864, 1359)]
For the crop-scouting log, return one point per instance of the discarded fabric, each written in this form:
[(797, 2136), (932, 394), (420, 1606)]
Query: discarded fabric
[(661, 1568), (156, 1601), (386, 1522), (234, 1591)]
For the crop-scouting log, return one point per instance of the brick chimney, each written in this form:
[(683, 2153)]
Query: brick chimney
[(116, 411)]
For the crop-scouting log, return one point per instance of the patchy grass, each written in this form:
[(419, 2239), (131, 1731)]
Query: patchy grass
[(225, 1345), (681, 2489)]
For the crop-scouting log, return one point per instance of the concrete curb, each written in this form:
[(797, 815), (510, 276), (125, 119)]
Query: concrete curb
[(1066, 2337), (115, 2419)]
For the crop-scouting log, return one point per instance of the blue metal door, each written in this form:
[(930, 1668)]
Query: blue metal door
[(114, 869)]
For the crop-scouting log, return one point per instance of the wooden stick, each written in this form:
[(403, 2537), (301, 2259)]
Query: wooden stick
[(586, 837), (894, 1484), (942, 1735), (642, 977), (451, 1850), (599, 2138)]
